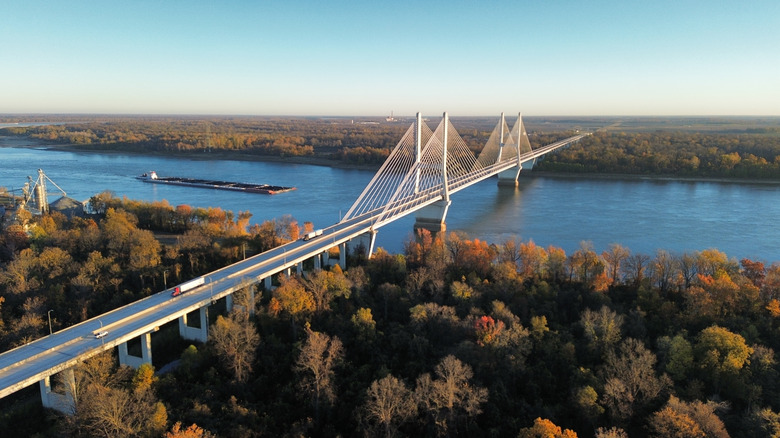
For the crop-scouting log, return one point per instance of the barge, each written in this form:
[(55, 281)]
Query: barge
[(151, 177)]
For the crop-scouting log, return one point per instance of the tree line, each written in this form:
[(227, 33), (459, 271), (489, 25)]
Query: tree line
[(453, 337), (729, 153), (685, 154), (339, 140)]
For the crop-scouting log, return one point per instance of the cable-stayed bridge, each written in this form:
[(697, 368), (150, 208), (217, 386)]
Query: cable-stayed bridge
[(419, 176)]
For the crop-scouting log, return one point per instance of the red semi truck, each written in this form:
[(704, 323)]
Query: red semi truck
[(187, 285)]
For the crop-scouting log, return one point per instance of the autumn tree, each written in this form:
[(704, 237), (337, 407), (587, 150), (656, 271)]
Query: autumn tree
[(532, 259), (487, 330), (556, 263), (585, 264), (544, 428), (192, 431), (292, 299), (721, 354), (682, 419), (753, 271), (614, 257), (324, 286)]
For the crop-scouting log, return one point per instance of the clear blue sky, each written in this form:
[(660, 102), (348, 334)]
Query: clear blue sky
[(335, 57)]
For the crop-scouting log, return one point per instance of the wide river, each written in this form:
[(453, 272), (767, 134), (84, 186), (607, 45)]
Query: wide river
[(644, 215)]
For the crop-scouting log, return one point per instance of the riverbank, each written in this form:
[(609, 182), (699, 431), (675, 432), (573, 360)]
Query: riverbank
[(635, 177), (26, 142)]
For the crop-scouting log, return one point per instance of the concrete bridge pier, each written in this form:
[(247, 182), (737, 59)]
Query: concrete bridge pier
[(321, 259), (195, 333), (343, 256), (431, 217), (367, 241), (126, 358), (229, 302), (508, 178), (64, 403)]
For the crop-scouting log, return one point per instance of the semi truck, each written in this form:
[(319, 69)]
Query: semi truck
[(312, 235), (187, 285)]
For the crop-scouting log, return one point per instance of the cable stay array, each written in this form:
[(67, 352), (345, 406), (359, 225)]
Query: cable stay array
[(427, 166)]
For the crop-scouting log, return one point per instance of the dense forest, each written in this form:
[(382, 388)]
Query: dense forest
[(454, 337)]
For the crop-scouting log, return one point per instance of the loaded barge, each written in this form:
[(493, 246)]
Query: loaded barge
[(151, 177)]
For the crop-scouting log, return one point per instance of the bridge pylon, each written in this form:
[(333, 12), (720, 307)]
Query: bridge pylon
[(517, 144), (432, 216)]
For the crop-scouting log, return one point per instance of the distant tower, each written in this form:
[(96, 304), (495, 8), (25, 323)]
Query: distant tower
[(391, 118)]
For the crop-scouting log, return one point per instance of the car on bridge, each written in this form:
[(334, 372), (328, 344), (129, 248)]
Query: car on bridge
[(101, 334)]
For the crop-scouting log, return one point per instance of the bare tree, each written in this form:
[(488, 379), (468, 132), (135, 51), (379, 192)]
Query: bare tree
[(389, 405), (235, 340), (316, 364), (602, 328), (114, 403), (663, 269), (630, 379), (614, 257), (636, 264), (450, 400), (688, 267)]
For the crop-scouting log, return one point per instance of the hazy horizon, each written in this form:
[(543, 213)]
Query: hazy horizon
[(342, 59)]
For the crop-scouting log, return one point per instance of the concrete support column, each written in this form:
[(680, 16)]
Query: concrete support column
[(64, 403), (432, 217), (299, 268), (343, 256), (126, 358), (229, 302), (251, 300), (318, 261), (195, 333), (269, 283)]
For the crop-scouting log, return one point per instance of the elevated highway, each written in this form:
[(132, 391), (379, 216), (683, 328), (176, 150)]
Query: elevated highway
[(407, 189)]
